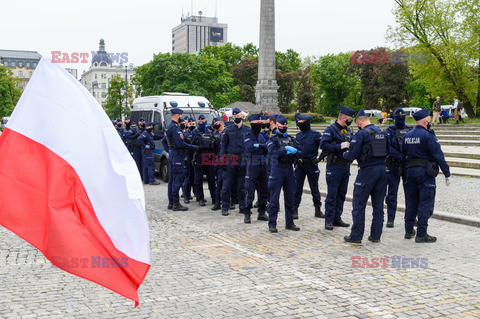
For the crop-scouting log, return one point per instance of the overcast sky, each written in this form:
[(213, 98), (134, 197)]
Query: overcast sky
[(142, 28)]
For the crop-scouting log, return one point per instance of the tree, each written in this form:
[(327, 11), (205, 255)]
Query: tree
[(446, 30), (187, 73), (383, 80), (9, 91), (115, 103), (306, 91), (334, 81), (289, 61), (230, 54), (245, 76)]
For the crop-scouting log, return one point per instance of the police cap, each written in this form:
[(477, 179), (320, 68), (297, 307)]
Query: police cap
[(421, 114), (236, 111), (254, 117), (282, 120), (176, 111), (347, 111)]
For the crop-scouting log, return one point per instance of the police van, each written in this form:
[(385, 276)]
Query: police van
[(4, 122), (157, 109)]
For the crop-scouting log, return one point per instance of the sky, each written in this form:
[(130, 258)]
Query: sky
[(143, 28)]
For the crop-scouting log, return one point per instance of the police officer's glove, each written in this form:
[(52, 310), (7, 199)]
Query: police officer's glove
[(448, 180), (291, 150), (256, 145), (147, 147), (344, 145)]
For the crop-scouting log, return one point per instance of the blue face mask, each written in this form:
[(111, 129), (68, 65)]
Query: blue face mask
[(202, 126), (399, 121)]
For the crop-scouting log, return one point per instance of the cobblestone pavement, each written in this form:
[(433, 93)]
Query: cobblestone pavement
[(205, 265)]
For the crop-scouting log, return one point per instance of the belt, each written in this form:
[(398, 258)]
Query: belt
[(307, 160), (284, 165), (417, 162)]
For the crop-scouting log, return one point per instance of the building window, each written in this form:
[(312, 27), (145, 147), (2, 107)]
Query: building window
[(20, 74), (27, 64), (30, 74), (20, 64), (104, 85), (95, 76), (104, 94), (5, 63), (12, 63), (35, 64), (104, 76)]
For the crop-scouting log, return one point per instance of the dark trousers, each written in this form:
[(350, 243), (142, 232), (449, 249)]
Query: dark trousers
[(256, 179), (393, 183), (370, 181), (233, 174), (189, 178), (175, 180), (312, 172), (218, 182), (207, 170), (337, 177), (138, 158), (280, 178), (148, 167), (421, 190)]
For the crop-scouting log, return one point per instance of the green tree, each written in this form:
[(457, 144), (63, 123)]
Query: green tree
[(306, 91), (182, 72), (115, 103), (9, 91), (245, 76), (447, 31), (334, 81), (289, 61)]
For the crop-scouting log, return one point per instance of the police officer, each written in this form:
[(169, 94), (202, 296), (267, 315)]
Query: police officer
[(233, 152), (120, 129), (202, 160), (148, 146), (177, 147), (256, 177), (281, 151), (395, 162), (189, 175), (307, 165), (219, 128), (335, 141), (369, 147), (424, 156), (129, 137), (136, 149)]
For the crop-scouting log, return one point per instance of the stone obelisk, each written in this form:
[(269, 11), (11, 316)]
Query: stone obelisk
[(266, 90)]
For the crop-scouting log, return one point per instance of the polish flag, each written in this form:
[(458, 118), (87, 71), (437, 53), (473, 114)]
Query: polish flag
[(69, 187)]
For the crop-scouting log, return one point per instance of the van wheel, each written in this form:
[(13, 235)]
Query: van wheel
[(164, 170)]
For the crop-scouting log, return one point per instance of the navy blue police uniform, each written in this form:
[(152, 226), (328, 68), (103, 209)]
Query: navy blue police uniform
[(232, 152), (146, 142), (217, 135), (202, 161), (395, 162), (282, 152), (256, 177), (424, 157), (338, 169), (177, 147), (189, 177), (369, 147), (136, 149), (307, 165)]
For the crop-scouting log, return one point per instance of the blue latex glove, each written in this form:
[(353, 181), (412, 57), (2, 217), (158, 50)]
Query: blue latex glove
[(147, 147), (291, 150), (256, 145)]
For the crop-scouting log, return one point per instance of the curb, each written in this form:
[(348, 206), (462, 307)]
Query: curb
[(449, 217)]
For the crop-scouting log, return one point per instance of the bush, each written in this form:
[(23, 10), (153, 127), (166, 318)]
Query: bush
[(316, 117)]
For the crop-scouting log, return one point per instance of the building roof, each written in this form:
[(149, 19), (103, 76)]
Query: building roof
[(17, 54), (101, 55)]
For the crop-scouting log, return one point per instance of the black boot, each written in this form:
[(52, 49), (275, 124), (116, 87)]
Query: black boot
[(262, 216), (201, 202), (232, 205), (217, 205), (318, 212), (225, 212), (425, 239), (390, 224), (177, 207), (246, 218), (170, 205), (186, 200), (295, 213)]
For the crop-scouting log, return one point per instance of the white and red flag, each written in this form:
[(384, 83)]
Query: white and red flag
[(69, 187)]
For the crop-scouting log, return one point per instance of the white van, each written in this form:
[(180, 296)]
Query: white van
[(451, 109), (4, 122), (410, 110), (157, 109), (373, 113)]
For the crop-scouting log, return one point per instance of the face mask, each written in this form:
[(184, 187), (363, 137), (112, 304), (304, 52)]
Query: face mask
[(191, 128), (265, 126), (217, 126), (119, 125), (349, 122), (282, 129), (400, 121), (142, 126), (256, 127), (202, 126), (304, 126), (149, 130), (237, 120), (182, 126), (429, 125)]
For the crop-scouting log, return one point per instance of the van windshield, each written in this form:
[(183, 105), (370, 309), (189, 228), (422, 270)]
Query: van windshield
[(209, 114)]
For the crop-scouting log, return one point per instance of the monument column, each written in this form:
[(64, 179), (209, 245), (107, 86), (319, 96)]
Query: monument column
[(266, 90)]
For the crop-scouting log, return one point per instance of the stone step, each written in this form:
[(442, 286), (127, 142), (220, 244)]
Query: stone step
[(458, 137), (444, 142), (461, 155), (463, 162)]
